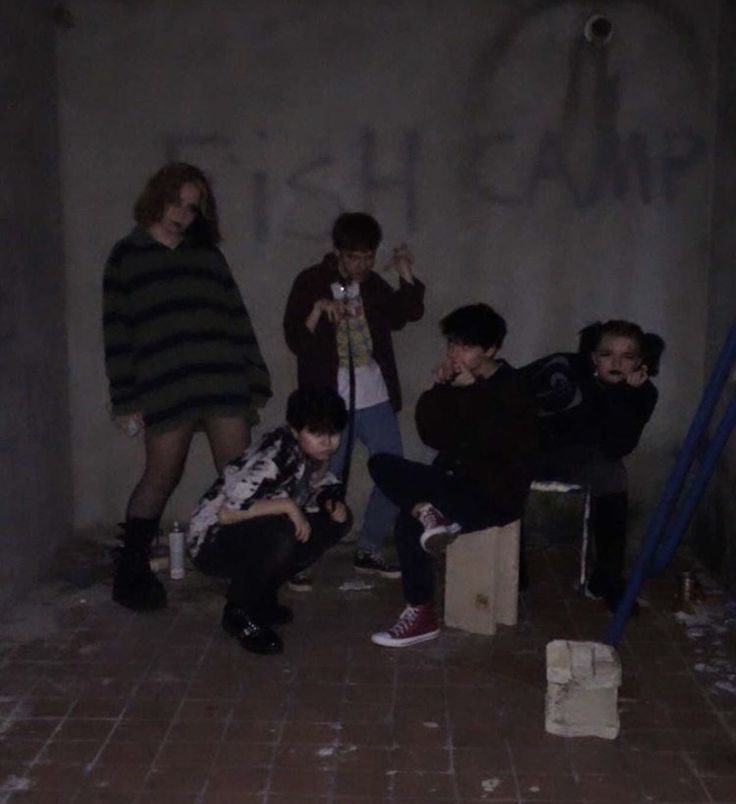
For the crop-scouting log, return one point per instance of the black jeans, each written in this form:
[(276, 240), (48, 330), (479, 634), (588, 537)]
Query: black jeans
[(259, 554), (407, 483)]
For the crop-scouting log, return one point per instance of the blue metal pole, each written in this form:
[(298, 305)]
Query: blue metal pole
[(708, 463), (673, 487), (697, 429)]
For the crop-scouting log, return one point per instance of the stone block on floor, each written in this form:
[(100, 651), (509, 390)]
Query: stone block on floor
[(582, 689)]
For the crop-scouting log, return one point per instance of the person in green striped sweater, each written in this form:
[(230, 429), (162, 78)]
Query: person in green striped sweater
[(180, 355)]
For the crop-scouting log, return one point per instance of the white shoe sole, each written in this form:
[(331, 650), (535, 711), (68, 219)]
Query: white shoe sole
[(384, 639), (390, 574), (299, 587)]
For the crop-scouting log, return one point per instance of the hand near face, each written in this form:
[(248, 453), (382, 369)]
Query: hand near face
[(443, 373), (403, 261), (638, 377), (453, 373), (463, 376)]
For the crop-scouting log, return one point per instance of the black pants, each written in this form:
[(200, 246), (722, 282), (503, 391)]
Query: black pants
[(259, 554), (407, 483)]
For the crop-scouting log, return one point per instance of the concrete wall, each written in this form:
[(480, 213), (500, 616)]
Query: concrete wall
[(35, 475), (559, 181), (714, 531)]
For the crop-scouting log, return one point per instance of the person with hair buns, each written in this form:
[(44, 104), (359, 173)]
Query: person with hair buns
[(593, 407), (180, 355)]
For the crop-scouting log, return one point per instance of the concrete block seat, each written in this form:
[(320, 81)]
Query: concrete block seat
[(482, 579), (559, 487)]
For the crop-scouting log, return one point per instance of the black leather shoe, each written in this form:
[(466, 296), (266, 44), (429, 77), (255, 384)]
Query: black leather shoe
[(253, 636), (259, 639)]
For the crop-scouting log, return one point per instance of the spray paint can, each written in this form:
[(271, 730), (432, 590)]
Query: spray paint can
[(176, 552)]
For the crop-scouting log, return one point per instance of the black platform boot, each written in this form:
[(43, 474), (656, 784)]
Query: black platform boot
[(135, 586)]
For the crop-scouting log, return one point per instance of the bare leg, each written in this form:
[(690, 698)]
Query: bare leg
[(166, 454), (229, 437)]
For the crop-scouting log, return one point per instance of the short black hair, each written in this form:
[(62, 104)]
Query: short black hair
[(320, 410), (356, 231), (475, 325)]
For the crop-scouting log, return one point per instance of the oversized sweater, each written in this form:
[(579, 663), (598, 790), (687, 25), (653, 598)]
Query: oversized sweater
[(575, 410), (386, 310), (486, 434), (179, 344)]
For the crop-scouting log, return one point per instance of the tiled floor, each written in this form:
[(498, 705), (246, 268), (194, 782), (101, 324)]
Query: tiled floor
[(98, 704)]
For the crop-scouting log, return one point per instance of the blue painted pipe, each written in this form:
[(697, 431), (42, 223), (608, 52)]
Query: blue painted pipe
[(708, 463), (673, 487)]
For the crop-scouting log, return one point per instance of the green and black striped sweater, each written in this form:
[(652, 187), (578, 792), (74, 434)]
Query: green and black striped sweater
[(179, 343)]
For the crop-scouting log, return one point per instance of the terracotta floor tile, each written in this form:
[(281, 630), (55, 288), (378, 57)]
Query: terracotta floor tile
[(721, 788), (84, 729), (143, 730), (66, 777), (166, 779), (486, 785), (321, 733), (173, 710), (426, 785), (111, 777), (300, 781), (548, 787), (609, 787), (66, 751), (136, 752)]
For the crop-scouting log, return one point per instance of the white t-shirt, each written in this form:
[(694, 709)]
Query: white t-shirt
[(370, 387)]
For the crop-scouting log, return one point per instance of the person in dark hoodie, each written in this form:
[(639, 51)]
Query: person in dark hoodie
[(593, 407), (479, 417)]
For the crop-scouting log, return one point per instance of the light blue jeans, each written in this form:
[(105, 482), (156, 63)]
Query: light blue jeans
[(377, 428)]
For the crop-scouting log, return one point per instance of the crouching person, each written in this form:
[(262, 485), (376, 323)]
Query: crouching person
[(480, 418), (272, 513)]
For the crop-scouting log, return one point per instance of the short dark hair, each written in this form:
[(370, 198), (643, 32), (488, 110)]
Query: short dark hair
[(320, 410), (356, 231), (475, 325), (163, 189), (651, 345)]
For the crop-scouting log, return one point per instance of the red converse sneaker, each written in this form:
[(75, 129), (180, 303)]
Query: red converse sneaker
[(416, 624), (438, 530)]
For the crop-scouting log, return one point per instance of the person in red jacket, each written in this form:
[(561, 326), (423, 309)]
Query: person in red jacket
[(338, 321), (480, 418)]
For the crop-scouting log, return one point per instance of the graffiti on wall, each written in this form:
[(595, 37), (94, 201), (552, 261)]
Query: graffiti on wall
[(310, 183), (641, 166)]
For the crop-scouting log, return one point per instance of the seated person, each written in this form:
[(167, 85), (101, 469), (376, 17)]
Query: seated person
[(592, 409), (272, 513), (480, 419)]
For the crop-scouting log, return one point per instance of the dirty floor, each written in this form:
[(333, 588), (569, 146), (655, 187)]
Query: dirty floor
[(98, 704)]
